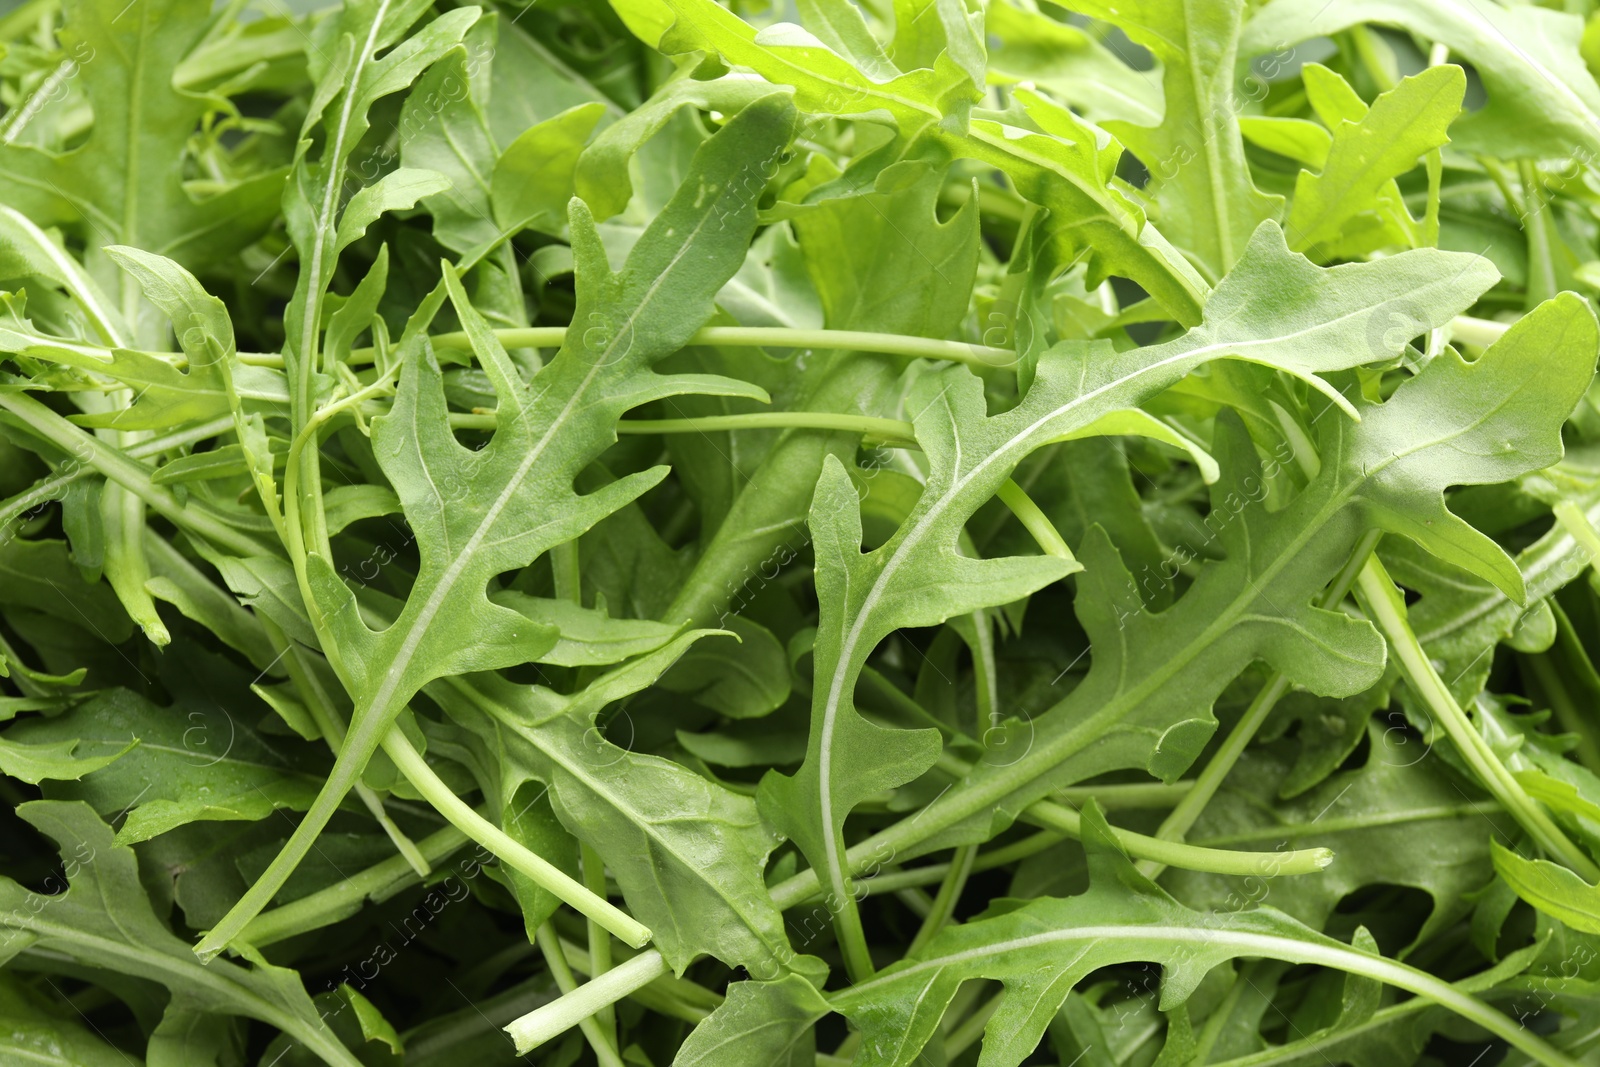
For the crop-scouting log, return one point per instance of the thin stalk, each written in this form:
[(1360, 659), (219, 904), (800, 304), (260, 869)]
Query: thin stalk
[(1050, 815), (852, 938), (320, 707), (728, 337), (1577, 657), (605, 1049), (944, 902), (1062, 819), (967, 1034), (1034, 520), (571, 1008), (1480, 333), (1384, 607), (1566, 709), (338, 901), (132, 475), (1182, 818), (1577, 524), (890, 431), (510, 851), (885, 429), (1536, 224), (594, 877), (678, 998)]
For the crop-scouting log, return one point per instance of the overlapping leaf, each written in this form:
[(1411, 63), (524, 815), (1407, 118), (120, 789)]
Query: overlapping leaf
[(469, 510), (1146, 701)]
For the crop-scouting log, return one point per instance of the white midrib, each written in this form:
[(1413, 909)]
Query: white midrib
[(831, 851), (308, 330)]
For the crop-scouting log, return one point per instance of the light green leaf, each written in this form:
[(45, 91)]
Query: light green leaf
[(1368, 154), (538, 172), (33, 763), (761, 1022), (1209, 205), (394, 191), (1552, 889), (1542, 99)]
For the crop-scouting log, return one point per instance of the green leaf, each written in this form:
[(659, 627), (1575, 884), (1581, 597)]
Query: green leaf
[(1539, 91), (1070, 63), (1039, 949), (1068, 168), (1209, 205), (1143, 702), (1368, 153), (33, 763), (443, 130), (124, 184), (537, 173), (468, 510), (1551, 888), (177, 764), (760, 1022), (32, 1033), (104, 920), (687, 852)]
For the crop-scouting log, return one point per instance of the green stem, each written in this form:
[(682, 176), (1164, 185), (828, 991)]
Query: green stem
[(594, 877), (1050, 815), (944, 902), (888, 430), (1573, 720), (342, 899), (967, 1034), (571, 1008), (605, 1052), (320, 707), (678, 998), (1182, 818), (510, 851), (1034, 520), (728, 337), (1536, 223), (1480, 333), (193, 516), (1565, 707), (885, 429), (1383, 606)]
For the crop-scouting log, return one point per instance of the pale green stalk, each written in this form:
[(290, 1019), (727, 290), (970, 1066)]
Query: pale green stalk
[(1383, 605)]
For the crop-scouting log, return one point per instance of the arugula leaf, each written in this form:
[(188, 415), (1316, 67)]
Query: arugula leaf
[(1539, 92), (1209, 205), (104, 920), (691, 538), (633, 319), (170, 766), (1038, 950)]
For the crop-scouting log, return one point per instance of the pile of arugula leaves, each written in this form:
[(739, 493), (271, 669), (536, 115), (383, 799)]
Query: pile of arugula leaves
[(951, 532)]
